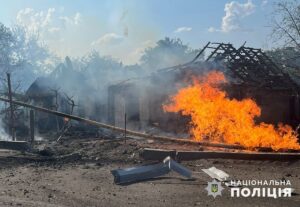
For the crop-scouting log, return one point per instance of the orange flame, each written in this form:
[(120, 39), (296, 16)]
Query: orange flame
[(217, 118)]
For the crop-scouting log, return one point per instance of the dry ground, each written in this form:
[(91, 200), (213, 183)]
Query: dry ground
[(80, 176)]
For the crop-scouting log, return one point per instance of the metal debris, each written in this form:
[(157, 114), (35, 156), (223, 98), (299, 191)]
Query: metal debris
[(135, 174), (177, 167), (217, 174)]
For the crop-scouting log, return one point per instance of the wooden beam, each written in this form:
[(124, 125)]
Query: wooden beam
[(15, 145), (160, 154), (196, 155), (31, 126), (198, 55)]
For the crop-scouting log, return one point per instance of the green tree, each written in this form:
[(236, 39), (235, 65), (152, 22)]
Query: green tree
[(286, 32), (9, 57), (286, 23), (167, 52)]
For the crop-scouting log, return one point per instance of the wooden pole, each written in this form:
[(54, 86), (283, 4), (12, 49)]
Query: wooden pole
[(12, 122), (125, 127), (31, 126)]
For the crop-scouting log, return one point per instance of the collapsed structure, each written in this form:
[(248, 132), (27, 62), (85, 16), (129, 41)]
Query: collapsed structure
[(249, 71), (251, 74), (56, 92)]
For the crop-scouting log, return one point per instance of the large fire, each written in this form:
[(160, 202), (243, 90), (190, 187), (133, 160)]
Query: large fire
[(217, 118)]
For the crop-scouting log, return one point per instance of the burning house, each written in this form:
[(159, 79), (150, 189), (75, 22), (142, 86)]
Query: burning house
[(250, 74)]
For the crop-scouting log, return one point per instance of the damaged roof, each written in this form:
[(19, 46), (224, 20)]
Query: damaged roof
[(41, 87), (245, 65)]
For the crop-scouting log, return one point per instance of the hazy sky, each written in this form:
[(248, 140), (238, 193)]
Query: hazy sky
[(123, 28)]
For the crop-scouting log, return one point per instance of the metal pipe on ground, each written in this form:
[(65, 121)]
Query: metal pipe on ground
[(139, 173)]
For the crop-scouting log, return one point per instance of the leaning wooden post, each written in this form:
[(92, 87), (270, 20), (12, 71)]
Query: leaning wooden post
[(12, 122), (31, 126), (125, 127)]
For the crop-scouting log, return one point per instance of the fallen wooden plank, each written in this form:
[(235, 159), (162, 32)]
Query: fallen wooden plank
[(15, 145), (194, 155), (156, 154)]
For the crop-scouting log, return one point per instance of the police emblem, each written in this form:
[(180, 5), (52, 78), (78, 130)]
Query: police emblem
[(214, 188)]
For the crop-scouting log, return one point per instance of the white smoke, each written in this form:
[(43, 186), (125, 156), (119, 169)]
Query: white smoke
[(3, 135)]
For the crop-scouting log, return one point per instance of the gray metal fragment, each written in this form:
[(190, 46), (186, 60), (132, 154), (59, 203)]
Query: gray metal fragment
[(134, 174), (177, 167)]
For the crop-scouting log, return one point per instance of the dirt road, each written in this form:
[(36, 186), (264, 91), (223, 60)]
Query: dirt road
[(85, 180)]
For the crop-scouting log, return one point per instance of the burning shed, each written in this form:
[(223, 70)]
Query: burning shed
[(250, 74)]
